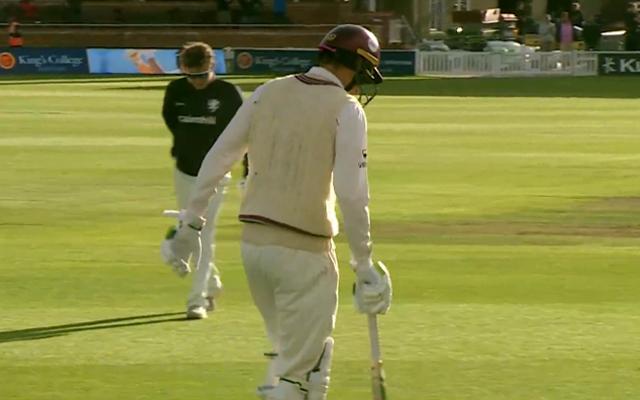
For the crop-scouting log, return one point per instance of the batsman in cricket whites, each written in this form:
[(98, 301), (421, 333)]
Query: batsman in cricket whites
[(306, 136)]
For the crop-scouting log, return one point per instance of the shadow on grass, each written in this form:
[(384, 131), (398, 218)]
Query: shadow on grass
[(44, 332)]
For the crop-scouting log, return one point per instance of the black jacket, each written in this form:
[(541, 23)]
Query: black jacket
[(196, 118)]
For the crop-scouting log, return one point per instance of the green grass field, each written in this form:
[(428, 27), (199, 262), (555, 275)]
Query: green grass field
[(508, 211)]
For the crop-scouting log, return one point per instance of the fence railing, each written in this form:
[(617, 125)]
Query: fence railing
[(454, 63)]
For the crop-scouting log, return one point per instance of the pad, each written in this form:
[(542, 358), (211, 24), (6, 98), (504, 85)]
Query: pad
[(318, 379), (286, 390)]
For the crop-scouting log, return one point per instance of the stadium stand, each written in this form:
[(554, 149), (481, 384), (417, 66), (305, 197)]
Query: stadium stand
[(169, 23), (170, 36)]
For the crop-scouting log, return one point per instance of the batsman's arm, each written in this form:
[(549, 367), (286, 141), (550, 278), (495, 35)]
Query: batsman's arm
[(228, 149), (351, 182)]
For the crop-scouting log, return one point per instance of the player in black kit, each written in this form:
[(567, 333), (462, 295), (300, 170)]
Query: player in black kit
[(196, 109)]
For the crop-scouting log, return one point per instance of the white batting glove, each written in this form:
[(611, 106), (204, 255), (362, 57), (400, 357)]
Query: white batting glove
[(372, 291), (182, 243)]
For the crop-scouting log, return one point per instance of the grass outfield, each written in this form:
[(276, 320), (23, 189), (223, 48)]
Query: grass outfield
[(508, 211)]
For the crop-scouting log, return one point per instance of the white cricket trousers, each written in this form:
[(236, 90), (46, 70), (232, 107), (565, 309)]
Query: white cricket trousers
[(296, 292), (206, 277)]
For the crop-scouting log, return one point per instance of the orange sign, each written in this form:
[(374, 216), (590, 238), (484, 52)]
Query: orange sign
[(244, 60), (7, 60)]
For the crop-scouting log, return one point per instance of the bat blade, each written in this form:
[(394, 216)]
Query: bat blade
[(378, 387), (377, 382)]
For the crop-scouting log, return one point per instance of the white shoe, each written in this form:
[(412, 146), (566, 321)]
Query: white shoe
[(196, 312), (284, 390), (263, 391)]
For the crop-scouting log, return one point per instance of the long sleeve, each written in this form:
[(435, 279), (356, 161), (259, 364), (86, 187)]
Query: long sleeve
[(227, 150), (168, 110), (351, 182)]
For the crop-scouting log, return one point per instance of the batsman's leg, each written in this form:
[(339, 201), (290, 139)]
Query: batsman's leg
[(306, 300), (262, 292), (286, 390), (319, 377), (206, 283), (296, 292), (183, 185)]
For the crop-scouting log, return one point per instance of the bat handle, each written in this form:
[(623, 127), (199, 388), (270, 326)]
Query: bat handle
[(171, 213)]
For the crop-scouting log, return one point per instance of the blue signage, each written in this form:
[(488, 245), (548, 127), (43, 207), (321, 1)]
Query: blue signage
[(284, 61), (43, 61), (398, 62), (164, 61), (141, 61)]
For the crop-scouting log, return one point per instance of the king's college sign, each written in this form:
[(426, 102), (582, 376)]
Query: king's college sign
[(619, 63)]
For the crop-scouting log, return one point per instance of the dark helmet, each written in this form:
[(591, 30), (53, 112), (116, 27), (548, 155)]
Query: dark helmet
[(357, 49)]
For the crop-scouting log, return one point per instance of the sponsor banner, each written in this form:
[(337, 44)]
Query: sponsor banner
[(287, 61), (141, 61), (398, 62), (273, 61), (43, 61), (619, 63)]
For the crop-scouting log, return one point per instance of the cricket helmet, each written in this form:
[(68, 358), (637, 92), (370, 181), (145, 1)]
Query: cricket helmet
[(356, 48)]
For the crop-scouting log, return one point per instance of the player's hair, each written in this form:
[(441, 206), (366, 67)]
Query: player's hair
[(196, 54), (338, 58)]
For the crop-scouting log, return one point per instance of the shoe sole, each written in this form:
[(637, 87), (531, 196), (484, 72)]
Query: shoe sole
[(194, 315)]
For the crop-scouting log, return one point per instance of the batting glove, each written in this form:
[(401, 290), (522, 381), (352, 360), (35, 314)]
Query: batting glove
[(372, 291), (182, 243)]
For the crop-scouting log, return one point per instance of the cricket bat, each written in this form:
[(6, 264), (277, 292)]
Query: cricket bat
[(377, 373)]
